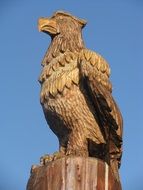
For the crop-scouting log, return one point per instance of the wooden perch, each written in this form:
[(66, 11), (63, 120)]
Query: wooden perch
[(74, 173)]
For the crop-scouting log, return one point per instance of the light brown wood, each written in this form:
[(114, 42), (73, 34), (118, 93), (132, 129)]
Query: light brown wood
[(76, 94), (73, 173), (76, 97)]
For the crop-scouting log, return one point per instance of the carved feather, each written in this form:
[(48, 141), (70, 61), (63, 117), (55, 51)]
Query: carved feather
[(99, 88)]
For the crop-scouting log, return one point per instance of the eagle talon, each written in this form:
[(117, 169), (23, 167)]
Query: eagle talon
[(46, 159), (49, 158), (58, 155)]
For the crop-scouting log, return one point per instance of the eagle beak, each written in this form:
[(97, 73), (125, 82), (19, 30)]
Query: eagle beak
[(47, 25)]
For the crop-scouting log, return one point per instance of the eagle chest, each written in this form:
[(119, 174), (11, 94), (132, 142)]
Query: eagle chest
[(60, 84)]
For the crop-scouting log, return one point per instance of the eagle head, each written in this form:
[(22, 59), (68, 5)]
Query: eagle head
[(60, 23)]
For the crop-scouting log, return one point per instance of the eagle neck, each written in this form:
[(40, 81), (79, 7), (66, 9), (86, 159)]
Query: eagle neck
[(60, 44)]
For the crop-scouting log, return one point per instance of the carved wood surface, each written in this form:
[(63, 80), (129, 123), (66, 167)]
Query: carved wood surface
[(76, 97), (76, 94), (74, 173)]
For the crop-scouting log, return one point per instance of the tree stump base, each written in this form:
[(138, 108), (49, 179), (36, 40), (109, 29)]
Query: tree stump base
[(74, 173)]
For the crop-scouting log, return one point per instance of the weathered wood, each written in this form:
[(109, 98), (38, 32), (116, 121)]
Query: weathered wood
[(76, 94), (74, 173)]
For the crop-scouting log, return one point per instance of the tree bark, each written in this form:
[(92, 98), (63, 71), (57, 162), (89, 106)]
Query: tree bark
[(74, 173)]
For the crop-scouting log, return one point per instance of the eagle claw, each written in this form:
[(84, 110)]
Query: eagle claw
[(49, 158)]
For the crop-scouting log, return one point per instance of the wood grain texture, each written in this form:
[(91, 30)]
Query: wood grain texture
[(73, 173), (76, 95)]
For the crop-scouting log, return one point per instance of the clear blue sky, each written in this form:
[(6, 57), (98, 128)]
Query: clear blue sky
[(115, 30)]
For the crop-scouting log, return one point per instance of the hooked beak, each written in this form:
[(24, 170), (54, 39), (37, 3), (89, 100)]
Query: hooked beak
[(47, 25)]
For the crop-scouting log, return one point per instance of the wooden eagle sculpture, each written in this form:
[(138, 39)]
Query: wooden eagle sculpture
[(76, 94)]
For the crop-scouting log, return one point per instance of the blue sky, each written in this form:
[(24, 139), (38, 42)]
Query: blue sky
[(115, 30)]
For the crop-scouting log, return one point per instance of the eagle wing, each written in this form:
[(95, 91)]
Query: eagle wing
[(95, 73)]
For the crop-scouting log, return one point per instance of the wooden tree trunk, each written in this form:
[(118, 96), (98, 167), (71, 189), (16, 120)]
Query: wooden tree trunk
[(74, 173)]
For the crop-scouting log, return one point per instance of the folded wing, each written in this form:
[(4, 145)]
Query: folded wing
[(95, 73)]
